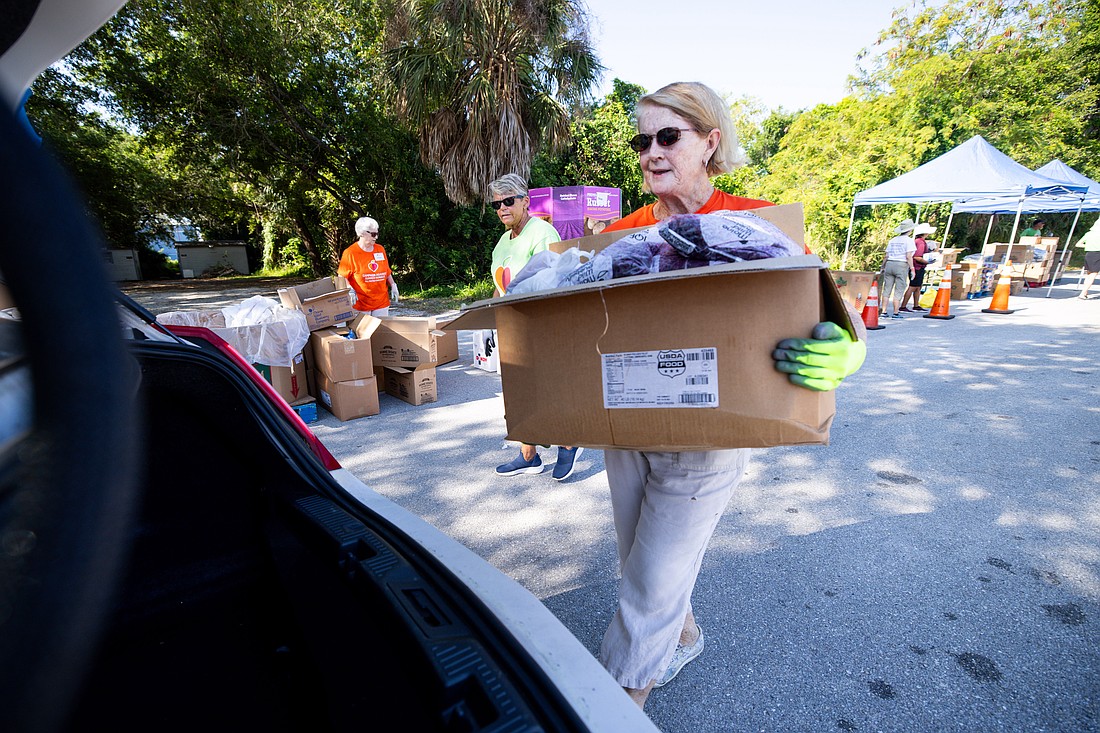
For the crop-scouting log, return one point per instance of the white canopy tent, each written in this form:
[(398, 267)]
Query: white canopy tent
[(975, 169), (1048, 202)]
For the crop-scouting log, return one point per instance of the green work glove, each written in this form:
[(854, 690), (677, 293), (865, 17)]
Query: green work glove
[(820, 363)]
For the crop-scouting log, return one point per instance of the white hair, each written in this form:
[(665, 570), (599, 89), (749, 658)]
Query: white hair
[(364, 225)]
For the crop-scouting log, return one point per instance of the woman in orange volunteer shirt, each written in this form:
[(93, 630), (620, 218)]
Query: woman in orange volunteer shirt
[(666, 505), (367, 270)]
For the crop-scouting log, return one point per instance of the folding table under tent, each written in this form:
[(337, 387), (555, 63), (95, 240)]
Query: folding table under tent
[(975, 169), (1045, 203)]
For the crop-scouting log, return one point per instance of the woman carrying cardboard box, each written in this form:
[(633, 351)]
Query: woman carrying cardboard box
[(666, 505)]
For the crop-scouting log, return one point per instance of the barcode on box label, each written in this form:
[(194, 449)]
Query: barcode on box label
[(665, 378)]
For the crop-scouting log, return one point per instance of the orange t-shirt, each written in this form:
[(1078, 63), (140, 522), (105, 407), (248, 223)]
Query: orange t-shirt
[(718, 201), (367, 273)]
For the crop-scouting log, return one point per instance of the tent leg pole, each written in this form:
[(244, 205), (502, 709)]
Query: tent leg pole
[(851, 221), (947, 228), (1060, 266)]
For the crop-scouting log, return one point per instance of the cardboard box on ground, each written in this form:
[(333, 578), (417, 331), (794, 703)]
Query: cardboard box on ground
[(344, 373), (672, 361), (290, 382), (348, 400), (339, 358), (408, 349), (415, 386), (1036, 270), (407, 342)]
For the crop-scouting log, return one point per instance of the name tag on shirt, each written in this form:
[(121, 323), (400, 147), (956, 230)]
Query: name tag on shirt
[(379, 256)]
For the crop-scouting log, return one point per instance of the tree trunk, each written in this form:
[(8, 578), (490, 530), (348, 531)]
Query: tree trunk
[(316, 262)]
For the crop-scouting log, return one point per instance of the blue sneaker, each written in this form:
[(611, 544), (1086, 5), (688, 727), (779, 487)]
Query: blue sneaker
[(567, 461), (519, 465), (680, 657)]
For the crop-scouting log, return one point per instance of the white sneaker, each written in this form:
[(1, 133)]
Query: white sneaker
[(680, 657)]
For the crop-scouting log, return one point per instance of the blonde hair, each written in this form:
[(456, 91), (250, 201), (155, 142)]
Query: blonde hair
[(704, 109)]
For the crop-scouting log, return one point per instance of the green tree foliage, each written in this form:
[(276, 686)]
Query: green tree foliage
[(125, 187), (263, 120), (599, 153), (486, 82), (1018, 72)]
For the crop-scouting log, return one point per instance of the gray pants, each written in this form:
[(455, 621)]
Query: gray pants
[(895, 277), (666, 506)]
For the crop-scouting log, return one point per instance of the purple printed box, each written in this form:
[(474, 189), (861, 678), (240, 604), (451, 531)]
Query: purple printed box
[(577, 211)]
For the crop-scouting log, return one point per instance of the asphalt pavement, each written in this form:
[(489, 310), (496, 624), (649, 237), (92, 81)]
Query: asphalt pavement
[(935, 568)]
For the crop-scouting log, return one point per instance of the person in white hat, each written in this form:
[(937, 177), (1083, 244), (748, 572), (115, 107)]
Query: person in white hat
[(919, 264), (898, 269)]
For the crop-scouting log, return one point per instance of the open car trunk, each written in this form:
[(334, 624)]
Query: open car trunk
[(257, 596)]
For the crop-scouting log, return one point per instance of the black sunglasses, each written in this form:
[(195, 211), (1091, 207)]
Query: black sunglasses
[(666, 136), (504, 202)]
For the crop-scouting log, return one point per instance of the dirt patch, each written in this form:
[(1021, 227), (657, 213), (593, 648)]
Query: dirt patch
[(165, 296)]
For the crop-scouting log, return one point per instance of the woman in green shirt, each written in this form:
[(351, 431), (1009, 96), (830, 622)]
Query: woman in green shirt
[(524, 237)]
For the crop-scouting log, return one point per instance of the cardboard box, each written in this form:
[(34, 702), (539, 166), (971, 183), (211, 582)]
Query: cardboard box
[(948, 256), (415, 386), (380, 377), (339, 358), (854, 286), (962, 283), (290, 382), (672, 361), (348, 400), (486, 354), (407, 342), (576, 211), (322, 303)]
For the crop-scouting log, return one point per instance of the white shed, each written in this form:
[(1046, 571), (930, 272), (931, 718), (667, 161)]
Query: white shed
[(123, 264), (197, 258)]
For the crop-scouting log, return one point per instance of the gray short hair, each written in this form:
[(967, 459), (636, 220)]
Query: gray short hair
[(704, 109), (364, 225), (509, 185)]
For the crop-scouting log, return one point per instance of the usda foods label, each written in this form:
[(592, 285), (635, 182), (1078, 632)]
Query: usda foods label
[(669, 378)]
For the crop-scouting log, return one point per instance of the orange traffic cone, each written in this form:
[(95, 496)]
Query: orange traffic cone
[(942, 304), (1000, 294), (870, 309)]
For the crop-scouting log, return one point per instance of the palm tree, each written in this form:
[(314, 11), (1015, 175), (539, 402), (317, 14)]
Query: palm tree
[(486, 82)]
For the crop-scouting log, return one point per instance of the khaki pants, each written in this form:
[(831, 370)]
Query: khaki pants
[(666, 507)]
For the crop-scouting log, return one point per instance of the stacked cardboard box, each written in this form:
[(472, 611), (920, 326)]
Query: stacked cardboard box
[(966, 280), (323, 304), (409, 350), (344, 373), (1033, 259)]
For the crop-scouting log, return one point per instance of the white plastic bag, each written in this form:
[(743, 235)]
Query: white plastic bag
[(264, 331), (546, 270)]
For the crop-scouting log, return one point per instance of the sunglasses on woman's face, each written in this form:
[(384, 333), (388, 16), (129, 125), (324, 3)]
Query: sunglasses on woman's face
[(504, 202), (666, 137)]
